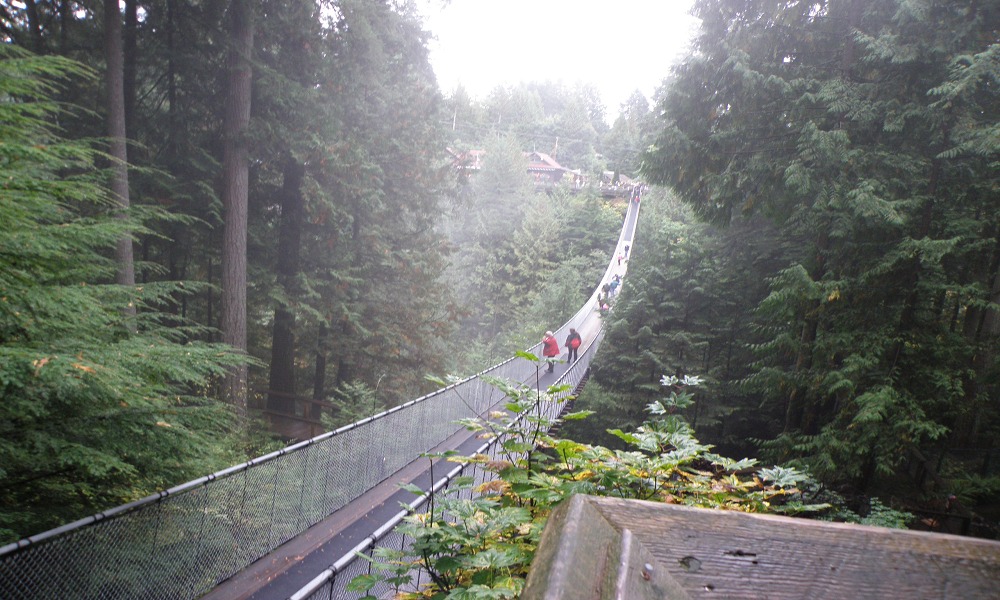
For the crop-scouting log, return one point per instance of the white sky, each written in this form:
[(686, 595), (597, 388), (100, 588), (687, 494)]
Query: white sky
[(618, 45)]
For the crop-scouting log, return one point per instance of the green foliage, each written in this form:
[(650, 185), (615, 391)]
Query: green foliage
[(870, 187), (873, 512), (880, 515), (630, 134), (482, 547), (94, 411), (354, 401)]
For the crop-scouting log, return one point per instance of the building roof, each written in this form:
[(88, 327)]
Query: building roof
[(539, 161)]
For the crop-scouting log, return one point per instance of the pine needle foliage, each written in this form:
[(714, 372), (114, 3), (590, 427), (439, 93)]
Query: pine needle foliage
[(865, 134), (94, 411)]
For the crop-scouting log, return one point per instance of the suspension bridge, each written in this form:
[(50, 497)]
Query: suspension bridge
[(292, 523)]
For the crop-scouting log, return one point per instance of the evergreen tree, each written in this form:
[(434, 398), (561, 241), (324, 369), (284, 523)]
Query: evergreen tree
[(829, 119), (96, 409), (491, 208), (630, 134), (374, 254)]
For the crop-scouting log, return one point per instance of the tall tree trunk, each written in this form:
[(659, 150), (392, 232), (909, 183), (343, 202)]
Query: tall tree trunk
[(116, 136), (34, 27), (319, 375), (180, 238), (281, 386), (800, 410), (235, 190), (129, 69), (64, 21), (982, 329)]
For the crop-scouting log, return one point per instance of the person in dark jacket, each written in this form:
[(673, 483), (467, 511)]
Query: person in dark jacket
[(550, 349), (573, 342)]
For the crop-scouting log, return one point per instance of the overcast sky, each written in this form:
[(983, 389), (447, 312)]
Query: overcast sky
[(618, 45)]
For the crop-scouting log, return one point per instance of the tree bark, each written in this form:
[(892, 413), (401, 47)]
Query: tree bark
[(116, 138), (235, 191), (982, 329), (129, 68), (64, 21), (800, 410), (319, 375), (34, 27), (281, 385)]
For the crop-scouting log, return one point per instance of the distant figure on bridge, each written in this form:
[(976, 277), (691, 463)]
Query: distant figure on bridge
[(614, 285), (550, 349), (626, 250), (573, 342)]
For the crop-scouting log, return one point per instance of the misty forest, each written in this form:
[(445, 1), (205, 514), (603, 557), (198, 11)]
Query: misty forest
[(226, 226)]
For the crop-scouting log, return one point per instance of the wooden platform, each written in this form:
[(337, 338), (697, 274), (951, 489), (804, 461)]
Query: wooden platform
[(603, 548)]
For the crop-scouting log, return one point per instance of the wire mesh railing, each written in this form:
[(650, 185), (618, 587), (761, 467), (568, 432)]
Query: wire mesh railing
[(180, 543), (332, 583)]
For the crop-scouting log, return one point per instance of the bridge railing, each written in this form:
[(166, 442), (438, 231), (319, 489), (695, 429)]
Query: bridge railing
[(332, 583), (182, 542)]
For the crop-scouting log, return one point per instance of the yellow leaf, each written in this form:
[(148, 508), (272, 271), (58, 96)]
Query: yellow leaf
[(38, 364), (84, 368), (163, 424)]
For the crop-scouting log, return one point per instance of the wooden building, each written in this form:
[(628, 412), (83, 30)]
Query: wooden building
[(544, 169)]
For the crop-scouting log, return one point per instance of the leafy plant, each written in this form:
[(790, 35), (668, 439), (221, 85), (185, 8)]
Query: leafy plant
[(482, 546)]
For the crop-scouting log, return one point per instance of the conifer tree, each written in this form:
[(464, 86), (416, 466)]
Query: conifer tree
[(96, 409), (828, 119)]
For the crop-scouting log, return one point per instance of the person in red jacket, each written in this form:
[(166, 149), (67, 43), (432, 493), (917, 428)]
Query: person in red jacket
[(572, 343), (550, 349)]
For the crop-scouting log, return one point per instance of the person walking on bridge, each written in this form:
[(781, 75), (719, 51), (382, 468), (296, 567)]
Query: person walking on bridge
[(550, 349), (573, 341)]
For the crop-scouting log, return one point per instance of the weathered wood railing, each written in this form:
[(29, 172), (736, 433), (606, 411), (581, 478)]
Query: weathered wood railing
[(603, 548)]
